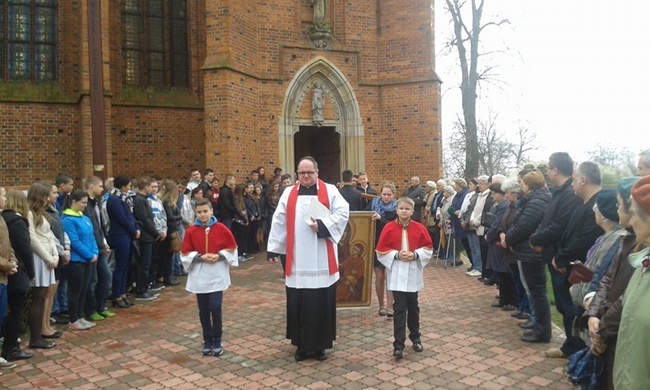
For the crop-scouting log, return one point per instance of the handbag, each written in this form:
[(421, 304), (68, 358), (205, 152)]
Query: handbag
[(580, 273), (175, 242)]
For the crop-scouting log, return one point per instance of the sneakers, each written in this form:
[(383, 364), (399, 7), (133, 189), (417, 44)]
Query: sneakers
[(207, 349), (156, 287), (473, 273), (554, 353), (87, 323), (6, 365), (217, 351), (107, 314), (146, 296), (78, 325), (95, 317)]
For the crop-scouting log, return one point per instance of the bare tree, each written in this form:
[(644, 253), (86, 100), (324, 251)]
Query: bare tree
[(469, 34), (499, 151), (613, 161)]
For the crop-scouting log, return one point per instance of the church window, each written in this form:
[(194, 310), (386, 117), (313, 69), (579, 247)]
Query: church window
[(154, 43), (28, 40)]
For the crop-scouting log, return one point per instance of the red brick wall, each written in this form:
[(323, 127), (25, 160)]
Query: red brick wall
[(38, 141), (243, 55), (157, 141)]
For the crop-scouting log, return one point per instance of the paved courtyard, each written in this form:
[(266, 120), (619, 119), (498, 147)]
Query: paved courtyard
[(154, 345)]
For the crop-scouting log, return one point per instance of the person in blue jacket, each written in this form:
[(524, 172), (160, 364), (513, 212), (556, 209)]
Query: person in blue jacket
[(83, 252)]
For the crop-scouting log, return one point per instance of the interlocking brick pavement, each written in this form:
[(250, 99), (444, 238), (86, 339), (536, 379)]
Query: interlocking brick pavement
[(155, 345)]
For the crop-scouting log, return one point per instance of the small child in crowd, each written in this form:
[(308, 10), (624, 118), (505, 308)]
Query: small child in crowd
[(208, 250), (405, 248)]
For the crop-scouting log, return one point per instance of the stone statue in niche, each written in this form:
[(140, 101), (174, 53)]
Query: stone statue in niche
[(317, 106), (319, 10)]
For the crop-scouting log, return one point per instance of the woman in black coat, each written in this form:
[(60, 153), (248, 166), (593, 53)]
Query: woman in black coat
[(15, 215), (533, 268), (169, 196)]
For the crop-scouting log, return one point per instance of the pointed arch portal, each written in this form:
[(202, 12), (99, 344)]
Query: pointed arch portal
[(347, 123)]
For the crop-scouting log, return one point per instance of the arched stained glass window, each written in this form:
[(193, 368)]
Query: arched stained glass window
[(154, 44), (28, 40)]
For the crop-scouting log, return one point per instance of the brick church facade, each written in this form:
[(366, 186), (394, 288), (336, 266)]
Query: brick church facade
[(156, 87)]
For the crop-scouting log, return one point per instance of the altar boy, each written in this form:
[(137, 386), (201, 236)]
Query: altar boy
[(208, 250), (405, 248)]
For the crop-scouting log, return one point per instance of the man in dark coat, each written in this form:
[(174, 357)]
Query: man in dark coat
[(144, 215), (580, 234), (350, 194), (416, 192), (227, 208)]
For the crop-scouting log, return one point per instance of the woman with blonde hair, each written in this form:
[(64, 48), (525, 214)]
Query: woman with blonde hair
[(46, 259), (384, 207), (169, 196), (14, 213)]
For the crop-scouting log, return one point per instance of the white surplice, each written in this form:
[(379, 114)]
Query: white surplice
[(405, 276), (310, 268)]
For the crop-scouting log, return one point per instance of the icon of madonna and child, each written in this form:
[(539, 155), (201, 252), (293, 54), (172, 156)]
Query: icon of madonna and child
[(355, 262)]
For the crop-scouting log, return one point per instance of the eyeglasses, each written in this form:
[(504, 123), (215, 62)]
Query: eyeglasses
[(306, 173)]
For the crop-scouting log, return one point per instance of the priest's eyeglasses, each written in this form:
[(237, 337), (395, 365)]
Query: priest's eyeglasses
[(306, 173)]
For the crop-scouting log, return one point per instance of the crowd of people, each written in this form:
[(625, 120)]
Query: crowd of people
[(120, 240), (558, 221)]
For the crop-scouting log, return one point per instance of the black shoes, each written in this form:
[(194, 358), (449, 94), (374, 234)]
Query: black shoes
[(509, 308), (398, 353), (320, 356), (522, 316), (527, 325), (171, 282), (531, 338), (417, 346), (17, 354), (489, 282), (300, 355), (497, 304)]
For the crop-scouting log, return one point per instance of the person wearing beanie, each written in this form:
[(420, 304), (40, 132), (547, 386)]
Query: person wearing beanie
[(601, 254), (603, 308), (632, 363)]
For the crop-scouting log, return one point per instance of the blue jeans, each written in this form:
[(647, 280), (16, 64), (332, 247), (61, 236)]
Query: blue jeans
[(3, 304), (520, 291), (210, 316), (475, 246), (176, 261), (534, 276), (563, 301), (101, 279)]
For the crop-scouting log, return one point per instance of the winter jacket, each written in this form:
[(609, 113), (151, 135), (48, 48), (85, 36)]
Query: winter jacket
[(21, 244), (227, 208), (556, 218), (417, 194), (457, 204), (94, 205), (580, 234), (144, 215), (83, 247), (173, 217), (121, 218), (529, 215), (7, 257)]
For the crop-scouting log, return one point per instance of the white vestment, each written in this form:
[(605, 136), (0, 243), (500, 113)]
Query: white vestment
[(310, 268), (405, 276)]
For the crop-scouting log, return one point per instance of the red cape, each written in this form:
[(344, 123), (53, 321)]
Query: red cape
[(219, 238), (391, 237)]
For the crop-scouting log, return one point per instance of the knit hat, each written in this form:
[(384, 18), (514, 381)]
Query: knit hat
[(641, 193), (606, 203), (431, 184), (496, 187), (624, 188)]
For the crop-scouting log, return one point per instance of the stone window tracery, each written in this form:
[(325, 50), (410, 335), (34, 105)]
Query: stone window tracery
[(28, 40), (154, 44)]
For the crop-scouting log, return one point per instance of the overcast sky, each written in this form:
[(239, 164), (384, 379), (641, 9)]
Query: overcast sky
[(575, 71)]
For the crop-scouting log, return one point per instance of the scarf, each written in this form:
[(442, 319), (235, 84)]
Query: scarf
[(379, 207), (321, 190)]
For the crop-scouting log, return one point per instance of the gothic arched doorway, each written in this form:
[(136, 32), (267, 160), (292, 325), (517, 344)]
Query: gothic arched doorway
[(324, 145)]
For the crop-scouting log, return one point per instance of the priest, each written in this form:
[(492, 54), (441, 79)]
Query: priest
[(307, 225)]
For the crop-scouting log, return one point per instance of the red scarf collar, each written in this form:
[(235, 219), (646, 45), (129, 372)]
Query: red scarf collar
[(321, 190)]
